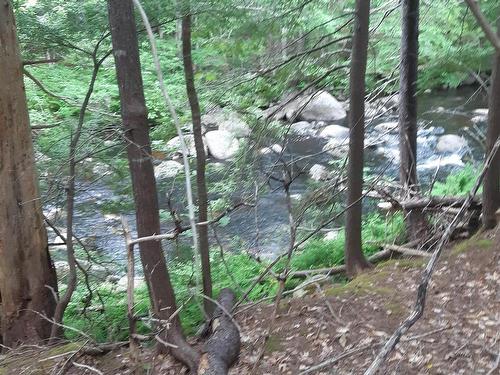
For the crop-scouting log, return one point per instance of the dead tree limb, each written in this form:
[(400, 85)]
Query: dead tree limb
[(419, 307)]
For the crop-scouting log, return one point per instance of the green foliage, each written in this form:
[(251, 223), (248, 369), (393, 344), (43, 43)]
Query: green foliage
[(457, 183), (236, 271)]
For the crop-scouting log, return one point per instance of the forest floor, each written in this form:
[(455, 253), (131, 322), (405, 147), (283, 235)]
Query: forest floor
[(459, 332)]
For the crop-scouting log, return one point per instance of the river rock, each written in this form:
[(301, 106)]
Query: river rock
[(453, 160), (451, 143), (481, 111), (479, 118), (174, 145), (303, 128), (387, 127), (321, 106), (221, 144), (331, 235), (337, 147), (167, 169), (318, 172), (335, 131), (121, 285), (235, 126)]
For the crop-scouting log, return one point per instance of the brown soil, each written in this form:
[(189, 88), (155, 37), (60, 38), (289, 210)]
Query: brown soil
[(459, 332)]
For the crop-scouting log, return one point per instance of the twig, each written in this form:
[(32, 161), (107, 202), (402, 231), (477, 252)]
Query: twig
[(87, 367)]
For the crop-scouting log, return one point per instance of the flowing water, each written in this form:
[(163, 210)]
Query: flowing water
[(264, 229)]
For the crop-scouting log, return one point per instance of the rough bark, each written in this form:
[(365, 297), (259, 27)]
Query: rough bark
[(136, 131), (491, 186), (354, 258), (26, 272), (415, 219), (203, 244), (221, 350)]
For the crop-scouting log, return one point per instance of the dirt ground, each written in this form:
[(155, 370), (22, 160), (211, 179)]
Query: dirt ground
[(459, 332)]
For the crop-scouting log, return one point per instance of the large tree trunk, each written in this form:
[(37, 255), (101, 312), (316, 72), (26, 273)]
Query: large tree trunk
[(354, 258), (26, 272), (415, 219), (491, 185), (203, 243), (136, 131)]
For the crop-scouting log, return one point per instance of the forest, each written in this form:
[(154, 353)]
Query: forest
[(249, 187)]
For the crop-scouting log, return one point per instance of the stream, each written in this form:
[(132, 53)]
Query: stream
[(264, 230)]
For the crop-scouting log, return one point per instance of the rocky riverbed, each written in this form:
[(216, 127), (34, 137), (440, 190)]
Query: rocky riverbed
[(315, 125)]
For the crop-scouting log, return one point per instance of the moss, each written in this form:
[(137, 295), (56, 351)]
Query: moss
[(362, 285), (273, 344), (472, 243), (404, 263)]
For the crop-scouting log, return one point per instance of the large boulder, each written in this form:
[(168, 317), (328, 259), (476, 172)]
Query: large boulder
[(335, 131), (167, 169), (221, 144), (451, 143), (235, 125), (320, 106)]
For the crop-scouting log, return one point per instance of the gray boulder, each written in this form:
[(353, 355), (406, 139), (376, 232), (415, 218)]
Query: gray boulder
[(335, 131), (303, 128), (235, 125), (451, 143), (320, 106), (167, 169), (221, 144)]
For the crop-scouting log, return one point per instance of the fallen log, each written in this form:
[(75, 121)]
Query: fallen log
[(445, 201), (407, 251), (221, 350), (387, 252), (378, 257)]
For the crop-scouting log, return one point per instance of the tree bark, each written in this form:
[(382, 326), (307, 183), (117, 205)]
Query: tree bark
[(354, 258), (491, 185), (415, 219), (26, 272), (136, 130), (223, 347), (203, 243)]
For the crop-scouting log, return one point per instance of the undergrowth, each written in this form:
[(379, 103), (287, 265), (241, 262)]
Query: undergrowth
[(106, 319)]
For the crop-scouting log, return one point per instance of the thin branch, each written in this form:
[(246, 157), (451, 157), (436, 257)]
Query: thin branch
[(483, 22)]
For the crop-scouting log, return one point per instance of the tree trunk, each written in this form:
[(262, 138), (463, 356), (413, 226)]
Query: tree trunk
[(491, 185), (415, 219), (203, 243), (28, 284), (354, 258), (223, 347), (136, 131)]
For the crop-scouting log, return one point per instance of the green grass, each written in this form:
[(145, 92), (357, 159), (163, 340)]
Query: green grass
[(237, 271)]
